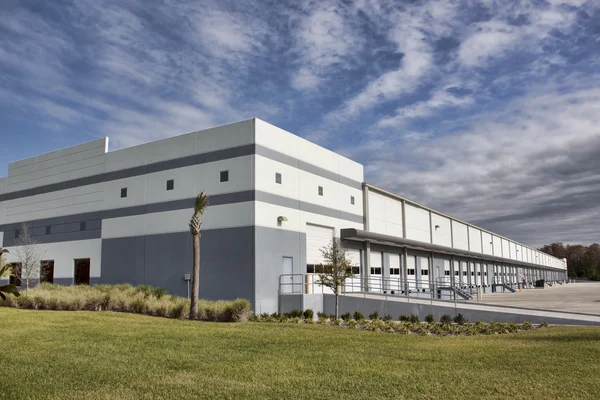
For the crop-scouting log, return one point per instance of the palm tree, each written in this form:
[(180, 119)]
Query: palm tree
[(195, 224), (3, 268)]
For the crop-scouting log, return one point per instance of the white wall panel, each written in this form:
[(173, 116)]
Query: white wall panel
[(385, 215), (217, 217), (301, 185), (497, 246), (475, 239), (487, 243), (505, 249), (61, 165), (417, 224), (65, 253), (284, 142), (266, 215), (459, 231), (441, 236)]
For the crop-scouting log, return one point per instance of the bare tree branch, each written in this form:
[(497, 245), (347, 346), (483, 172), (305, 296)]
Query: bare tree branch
[(29, 254)]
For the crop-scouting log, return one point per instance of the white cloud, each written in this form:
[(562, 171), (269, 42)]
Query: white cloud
[(325, 38), (413, 32)]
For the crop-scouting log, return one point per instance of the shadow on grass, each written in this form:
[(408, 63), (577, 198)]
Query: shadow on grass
[(588, 334)]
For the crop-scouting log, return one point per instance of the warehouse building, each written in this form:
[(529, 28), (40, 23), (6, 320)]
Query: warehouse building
[(276, 199)]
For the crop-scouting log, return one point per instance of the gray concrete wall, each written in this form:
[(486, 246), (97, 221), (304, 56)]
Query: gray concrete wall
[(271, 245), (395, 309), (226, 262)]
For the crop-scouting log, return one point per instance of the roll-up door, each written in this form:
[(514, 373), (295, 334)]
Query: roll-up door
[(317, 237)]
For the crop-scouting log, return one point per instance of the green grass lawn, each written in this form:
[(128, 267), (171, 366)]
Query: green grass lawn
[(102, 355)]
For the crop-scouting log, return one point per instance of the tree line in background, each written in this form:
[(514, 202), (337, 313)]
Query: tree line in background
[(582, 261)]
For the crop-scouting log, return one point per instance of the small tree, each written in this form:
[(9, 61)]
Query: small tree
[(336, 270), (4, 266), (29, 254), (200, 205)]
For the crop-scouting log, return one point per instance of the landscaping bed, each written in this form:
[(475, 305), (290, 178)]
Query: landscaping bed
[(143, 299), (405, 324)]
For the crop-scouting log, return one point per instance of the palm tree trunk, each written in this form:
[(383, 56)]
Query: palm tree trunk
[(195, 278)]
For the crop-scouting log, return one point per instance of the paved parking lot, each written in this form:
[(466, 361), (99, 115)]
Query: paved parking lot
[(574, 297)]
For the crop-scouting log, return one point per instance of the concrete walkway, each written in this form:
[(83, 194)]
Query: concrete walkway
[(574, 297)]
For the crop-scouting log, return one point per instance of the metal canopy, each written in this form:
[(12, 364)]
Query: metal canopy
[(366, 236)]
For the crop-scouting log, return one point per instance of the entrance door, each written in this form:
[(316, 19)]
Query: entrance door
[(82, 271), (287, 279)]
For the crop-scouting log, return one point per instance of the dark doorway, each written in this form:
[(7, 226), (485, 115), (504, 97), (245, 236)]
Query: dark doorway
[(47, 271), (15, 274), (82, 271)]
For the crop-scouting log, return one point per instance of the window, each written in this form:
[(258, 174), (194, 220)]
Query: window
[(123, 192), (277, 177), (376, 271), (356, 270), (170, 184), (456, 273), (224, 176), (472, 273), (424, 272), (410, 271), (48, 230), (314, 268), (447, 273), (82, 226), (320, 190), (478, 273), (82, 271), (464, 273), (17, 233), (352, 200), (47, 271), (15, 274), (394, 271)]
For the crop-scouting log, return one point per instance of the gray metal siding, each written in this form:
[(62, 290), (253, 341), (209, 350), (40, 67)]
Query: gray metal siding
[(271, 246), (226, 262)]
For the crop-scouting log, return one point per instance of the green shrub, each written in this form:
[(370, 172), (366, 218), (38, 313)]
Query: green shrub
[(544, 324), (322, 319), (429, 318), (404, 318), (402, 329), (181, 309), (295, 313), (446, 319), (321, 315), (459, 319), (296, 320), (526, 326), (374, 315), (414, 318), (308, 314), (138, 305), (358, 316), (352, 323), (337, 322), (346, 316), (387, 317)]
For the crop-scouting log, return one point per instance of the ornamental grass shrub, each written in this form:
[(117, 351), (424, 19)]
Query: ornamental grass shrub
[(144, 299)]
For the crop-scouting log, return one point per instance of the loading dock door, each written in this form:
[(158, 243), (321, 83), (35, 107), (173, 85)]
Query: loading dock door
[(317, 237)]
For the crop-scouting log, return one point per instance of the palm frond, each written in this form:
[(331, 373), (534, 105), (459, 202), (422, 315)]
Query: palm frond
[(201, 203)]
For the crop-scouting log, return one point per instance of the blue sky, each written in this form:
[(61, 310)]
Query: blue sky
[(487, 110)]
